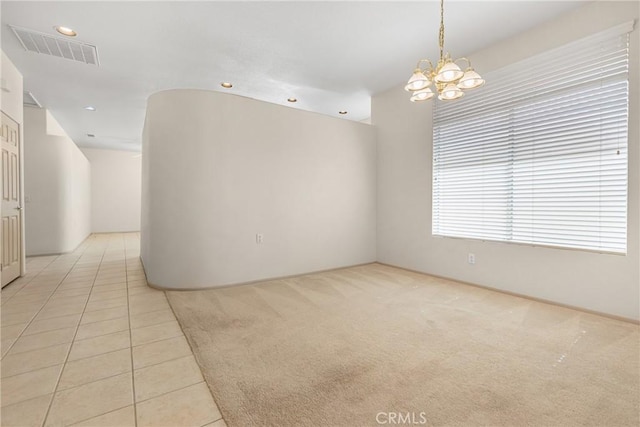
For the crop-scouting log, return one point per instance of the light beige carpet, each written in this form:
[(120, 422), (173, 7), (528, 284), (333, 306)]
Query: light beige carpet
[(341, 347)]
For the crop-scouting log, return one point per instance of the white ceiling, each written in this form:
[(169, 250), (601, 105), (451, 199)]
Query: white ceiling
[(331, 56)]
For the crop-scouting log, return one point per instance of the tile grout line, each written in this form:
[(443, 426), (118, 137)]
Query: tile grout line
[(39, 368), (147, 312), (104, 309), (46, 302), (95, 381), (100, 292), (99, 415), (158, 340), (115, 306), (100, 321), (31, 280), (108, 376), (155, 324), (117, 332), (37, 312), (25, 400), (97, 355), (164, 361), (53, 395), (53, 345), (43, 292), (133, 378), (109, 298), (22, 334), (142, 401), (172, 391)]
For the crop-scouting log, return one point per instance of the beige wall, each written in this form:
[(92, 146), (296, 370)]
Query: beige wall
[(115, 190), (56, 186), (217, 169), (600, 282)]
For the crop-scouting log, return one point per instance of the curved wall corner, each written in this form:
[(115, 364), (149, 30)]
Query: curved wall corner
[(218, 169)]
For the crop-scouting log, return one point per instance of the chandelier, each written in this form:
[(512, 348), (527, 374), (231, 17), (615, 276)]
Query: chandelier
[(447, 77)]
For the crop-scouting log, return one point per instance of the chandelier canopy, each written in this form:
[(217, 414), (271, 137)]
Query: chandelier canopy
[(447, 78)]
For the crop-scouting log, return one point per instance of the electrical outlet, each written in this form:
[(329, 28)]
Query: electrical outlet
[(259, 238), (471, 259)]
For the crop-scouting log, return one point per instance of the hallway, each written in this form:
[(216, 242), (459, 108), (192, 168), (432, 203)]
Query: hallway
[(85, 341)]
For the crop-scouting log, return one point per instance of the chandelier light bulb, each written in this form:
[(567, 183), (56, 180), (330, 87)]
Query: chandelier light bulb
[(418, 81), (470, 80), (422, 95), (449, 72), (450, 92)]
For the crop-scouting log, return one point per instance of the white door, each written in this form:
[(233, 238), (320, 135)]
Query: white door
[(10, 234)]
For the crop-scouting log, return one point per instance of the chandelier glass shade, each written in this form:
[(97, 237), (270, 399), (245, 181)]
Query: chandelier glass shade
[(446, 79)]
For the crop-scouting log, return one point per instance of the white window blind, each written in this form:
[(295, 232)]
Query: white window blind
[(539, 154)]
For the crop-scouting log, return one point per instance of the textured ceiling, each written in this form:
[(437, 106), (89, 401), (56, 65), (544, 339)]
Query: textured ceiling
[(331, 56)]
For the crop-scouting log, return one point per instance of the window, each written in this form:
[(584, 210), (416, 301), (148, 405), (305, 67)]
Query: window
[(539, 155)]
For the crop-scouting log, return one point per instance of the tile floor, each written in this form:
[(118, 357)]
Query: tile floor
[(85, 342)]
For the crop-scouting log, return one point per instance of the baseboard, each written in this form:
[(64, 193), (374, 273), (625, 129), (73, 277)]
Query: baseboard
[(251, 282), (515, 294), (61, 253), (115, 232)]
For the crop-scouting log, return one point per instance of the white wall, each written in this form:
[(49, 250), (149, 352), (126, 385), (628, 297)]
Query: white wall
[(115, 190), (604, 283), (11, 100), (11, 104), (217, 169), (57, 187)]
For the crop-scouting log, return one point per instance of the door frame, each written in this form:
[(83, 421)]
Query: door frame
[(22, 256)]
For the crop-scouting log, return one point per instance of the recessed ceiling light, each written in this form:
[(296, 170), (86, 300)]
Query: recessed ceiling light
[(226, 85), (342, 112), (65, 31), (90, 108), (292, 100), (90, 135)]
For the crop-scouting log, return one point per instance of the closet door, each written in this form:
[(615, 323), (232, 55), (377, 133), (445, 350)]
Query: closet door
[(11, 210)]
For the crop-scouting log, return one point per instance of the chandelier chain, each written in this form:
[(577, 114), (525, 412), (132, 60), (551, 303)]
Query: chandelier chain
[(441, 35)]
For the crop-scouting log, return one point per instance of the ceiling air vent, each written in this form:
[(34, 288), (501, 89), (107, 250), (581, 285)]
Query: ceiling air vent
[(28, 100), (46, 44)]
